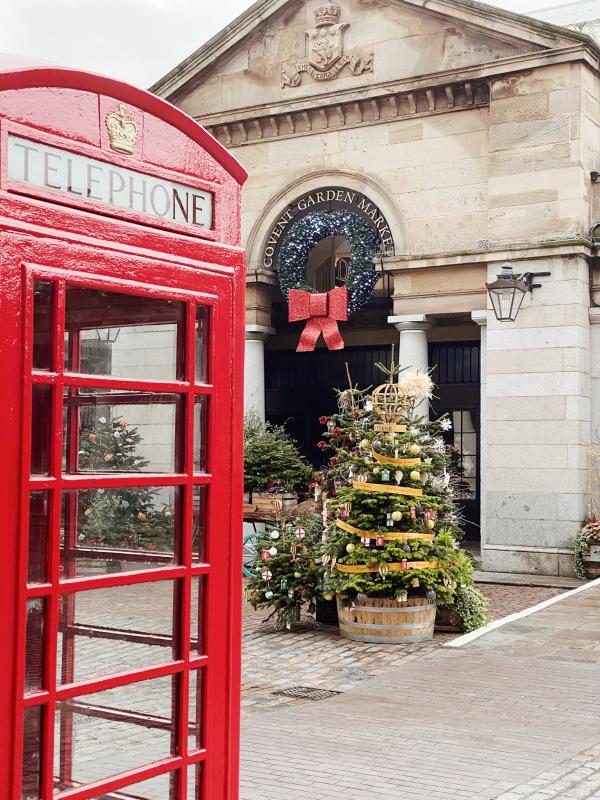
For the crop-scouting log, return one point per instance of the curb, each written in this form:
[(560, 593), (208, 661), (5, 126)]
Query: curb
[(500, 623)]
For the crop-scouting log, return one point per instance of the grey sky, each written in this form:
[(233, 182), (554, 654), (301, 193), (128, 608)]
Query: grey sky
[(134, 40)]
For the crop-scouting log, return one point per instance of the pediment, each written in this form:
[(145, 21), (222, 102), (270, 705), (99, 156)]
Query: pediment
[(287, 50)]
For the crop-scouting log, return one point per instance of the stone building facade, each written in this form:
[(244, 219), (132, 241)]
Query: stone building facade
[(472, 133)]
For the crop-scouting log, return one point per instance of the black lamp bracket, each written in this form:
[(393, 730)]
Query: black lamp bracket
[(527, 278)]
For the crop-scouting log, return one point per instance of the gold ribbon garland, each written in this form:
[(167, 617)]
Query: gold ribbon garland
[(388, 537), (381, 487), (398, 462), (395, 567)]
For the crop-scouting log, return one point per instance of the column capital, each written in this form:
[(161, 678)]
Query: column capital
[(258, 332), (480, 317), (410, 322)]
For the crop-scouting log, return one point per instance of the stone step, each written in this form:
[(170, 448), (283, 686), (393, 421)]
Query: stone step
[(520, 579)]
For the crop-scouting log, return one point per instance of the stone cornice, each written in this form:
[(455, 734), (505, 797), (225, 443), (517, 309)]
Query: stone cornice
[(451, 90), (351, 113)]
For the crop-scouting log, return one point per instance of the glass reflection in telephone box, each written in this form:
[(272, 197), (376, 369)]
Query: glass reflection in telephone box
[(116, 539)]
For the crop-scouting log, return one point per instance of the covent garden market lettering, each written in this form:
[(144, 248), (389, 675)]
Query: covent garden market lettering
[(341, 198)]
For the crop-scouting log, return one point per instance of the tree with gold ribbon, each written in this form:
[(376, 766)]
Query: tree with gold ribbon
[(393, 525)]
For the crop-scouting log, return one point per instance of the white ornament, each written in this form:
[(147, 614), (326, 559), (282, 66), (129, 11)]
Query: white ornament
[(446, 424), (273, 551), (368, 406), (398, 475), (275, 534), (269, 594)]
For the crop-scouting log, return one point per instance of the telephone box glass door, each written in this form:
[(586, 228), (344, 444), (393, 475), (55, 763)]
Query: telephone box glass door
[(122, 384)]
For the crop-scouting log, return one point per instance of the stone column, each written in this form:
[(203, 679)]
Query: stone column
[(412, 348), (480, 317), (254, 368)]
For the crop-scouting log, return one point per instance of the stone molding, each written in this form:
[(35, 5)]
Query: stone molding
[(325, 115), (410, 322), (595, 315), (259, 332), (480, 317)]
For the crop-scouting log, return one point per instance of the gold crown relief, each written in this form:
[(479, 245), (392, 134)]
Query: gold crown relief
[(327, 14), (122, 131)]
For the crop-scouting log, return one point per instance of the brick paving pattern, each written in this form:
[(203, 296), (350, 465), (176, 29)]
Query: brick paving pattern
[(577, 778), (510, 716), (321, 658)]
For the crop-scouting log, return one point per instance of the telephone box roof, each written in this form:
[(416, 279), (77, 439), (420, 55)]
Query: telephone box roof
[(19, 72)]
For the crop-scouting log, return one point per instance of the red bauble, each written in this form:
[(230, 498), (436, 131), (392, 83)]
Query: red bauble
[(321, 444), (336, 431), (333, 461), (323, 420)]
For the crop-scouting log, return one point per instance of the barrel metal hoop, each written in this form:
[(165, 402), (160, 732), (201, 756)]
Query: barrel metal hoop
[(392, 609), (359, 637), (387, 627)]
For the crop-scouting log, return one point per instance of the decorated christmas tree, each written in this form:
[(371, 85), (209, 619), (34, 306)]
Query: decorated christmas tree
[(125, 518), (288, 572), (392, 543)]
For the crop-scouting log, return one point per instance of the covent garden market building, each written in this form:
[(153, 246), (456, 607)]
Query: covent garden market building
[(402, 154)]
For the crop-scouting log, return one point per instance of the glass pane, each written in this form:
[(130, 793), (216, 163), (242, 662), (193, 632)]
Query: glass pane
[(195, 710), (202, 318), (194, 777), (121, 432), (38, 537), (99, 735), (199, 523), (124, 335), (197, 616), (200, 419), (34, 644), (121, 529), (41, 416), (164, 787), (42, 325), (122, 628), (32, 739)]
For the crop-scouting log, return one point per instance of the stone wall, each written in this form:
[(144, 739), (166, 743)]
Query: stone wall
[(537, 423)]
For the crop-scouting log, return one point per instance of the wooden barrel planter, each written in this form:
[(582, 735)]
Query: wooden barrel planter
[(387, 621)]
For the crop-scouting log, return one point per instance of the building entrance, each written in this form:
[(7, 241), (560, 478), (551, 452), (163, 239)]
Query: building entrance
[(300, 387)]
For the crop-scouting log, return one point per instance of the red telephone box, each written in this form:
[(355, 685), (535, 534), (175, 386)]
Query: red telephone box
[(122, 303)]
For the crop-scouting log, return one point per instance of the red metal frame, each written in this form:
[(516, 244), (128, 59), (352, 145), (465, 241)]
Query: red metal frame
[(87, 249)]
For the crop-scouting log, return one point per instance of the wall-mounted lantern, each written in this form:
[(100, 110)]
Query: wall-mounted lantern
[(508, 291)]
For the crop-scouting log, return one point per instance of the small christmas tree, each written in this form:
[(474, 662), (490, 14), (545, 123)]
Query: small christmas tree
[(288, 571), (128, 518), (393, 531), (271, 458)]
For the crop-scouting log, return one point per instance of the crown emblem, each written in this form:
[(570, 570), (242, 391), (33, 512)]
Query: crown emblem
[(327, 14), (122, 131)]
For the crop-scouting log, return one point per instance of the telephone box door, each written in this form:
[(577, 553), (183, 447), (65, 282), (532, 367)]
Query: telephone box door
[(126, 579)]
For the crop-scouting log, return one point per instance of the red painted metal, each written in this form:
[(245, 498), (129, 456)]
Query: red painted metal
[(45, 236)]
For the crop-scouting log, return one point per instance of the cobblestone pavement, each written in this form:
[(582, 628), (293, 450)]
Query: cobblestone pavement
[(510, 716), (576, 778), (321, 658)]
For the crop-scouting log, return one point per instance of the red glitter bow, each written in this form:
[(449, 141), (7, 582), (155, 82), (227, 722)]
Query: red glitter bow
[(322, 312)]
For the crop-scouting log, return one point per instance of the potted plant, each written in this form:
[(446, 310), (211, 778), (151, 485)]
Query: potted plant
[(469, 611), (274, 469)]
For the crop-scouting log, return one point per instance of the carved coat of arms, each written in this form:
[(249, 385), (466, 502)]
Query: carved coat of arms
[(325, 55)]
